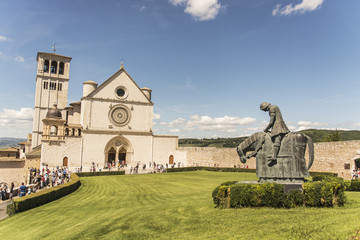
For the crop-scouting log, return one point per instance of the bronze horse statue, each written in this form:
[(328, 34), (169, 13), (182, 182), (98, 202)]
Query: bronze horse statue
[(290, 164)]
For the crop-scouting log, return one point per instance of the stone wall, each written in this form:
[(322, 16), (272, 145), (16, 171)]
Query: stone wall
[(12, 171), (329, 157)]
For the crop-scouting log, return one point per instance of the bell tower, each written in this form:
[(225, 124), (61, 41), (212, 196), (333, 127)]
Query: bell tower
[(52, 82)]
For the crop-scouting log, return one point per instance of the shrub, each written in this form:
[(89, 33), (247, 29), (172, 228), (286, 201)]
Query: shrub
[(315, 194), (104, 173), (353, 185), (326, 193), (331, 174), (42, 197)]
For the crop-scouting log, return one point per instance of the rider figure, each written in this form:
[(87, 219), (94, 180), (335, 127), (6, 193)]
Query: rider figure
[(277, 125)]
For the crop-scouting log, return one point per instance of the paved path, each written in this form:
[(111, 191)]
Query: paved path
[(3, 205)]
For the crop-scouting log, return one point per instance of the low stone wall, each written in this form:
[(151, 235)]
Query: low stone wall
[(329, 157)]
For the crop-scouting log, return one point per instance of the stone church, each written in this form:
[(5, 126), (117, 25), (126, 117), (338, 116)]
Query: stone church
[(112, 122)]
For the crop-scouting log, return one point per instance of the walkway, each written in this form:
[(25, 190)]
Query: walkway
[(3, 205)]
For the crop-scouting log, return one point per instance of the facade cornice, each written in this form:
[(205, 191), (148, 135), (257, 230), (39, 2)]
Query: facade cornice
[(112, 132), (166, 136), (60, 109), (117, 101), (51, 77)]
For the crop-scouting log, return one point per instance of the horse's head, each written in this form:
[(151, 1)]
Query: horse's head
[(243, 159)]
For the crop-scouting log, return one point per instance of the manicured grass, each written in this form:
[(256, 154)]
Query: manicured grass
[(173, 206)]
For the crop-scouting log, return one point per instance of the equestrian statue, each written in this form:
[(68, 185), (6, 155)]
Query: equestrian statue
[(280, 154)]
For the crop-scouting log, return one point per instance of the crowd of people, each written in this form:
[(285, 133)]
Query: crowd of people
[(38, 179)]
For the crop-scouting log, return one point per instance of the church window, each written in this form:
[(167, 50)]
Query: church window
[(53, 66), (121, 92), (79, 132), (46, 85), (52, 85), (61, 68), (66, 131), (60, 87), (46, 66)]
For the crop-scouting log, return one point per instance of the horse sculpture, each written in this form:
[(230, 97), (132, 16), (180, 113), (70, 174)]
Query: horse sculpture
[(290, 164)]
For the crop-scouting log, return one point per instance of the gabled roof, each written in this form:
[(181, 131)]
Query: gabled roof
[(99, 88)]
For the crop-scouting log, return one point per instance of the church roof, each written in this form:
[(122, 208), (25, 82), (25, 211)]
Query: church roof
[(53, 113), (122, 69), (52, 54)]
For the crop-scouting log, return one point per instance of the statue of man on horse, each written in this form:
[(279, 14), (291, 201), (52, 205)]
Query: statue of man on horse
[(280, 154)]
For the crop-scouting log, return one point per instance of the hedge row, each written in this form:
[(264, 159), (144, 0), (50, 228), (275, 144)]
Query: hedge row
[(42, 197), (102, 173), (330, 174), (315, 194), (352, 185), (214, 169)]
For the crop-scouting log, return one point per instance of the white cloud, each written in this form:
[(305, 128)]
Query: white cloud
[(226, 120), (175, 130), (201, 10), (179, 121), (13, 118), (19, 59), (4, 39), (304, 6), (157, 116), (302, 125)]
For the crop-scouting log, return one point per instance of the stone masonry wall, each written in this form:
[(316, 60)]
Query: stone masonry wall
[(329, 157)]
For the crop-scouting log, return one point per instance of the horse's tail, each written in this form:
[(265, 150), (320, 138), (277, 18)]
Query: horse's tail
[(311, 151)]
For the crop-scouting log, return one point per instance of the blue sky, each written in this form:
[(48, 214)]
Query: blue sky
[(210, 63)]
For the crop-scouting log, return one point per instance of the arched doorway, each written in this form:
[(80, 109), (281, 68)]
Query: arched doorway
[(171, 159), (111, 155), (65, 162), (118, 150), (122, 156)]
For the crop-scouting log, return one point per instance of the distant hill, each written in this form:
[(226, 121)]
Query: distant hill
[(315, 134), (6, 142)]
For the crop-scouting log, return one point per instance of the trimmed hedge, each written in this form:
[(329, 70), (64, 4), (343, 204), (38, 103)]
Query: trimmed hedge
[(352, 185), (102, 173), (330, 174), (42, 197), (315, 194), (214, 169)]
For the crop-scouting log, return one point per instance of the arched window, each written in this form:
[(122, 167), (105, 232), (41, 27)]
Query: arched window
[(79, 132), (46, 66), (53, 130), (53, 66), (66, 131), (61, 68), (73, 131)]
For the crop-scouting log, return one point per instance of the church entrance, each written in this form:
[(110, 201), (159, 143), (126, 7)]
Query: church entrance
[(118, 152), (111, 155), (122, 157)]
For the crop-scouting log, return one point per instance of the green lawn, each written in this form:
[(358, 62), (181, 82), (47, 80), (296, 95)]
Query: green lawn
[(173, 206)]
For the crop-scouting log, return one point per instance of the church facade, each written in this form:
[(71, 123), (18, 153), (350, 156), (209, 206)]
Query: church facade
[(111, 123)]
